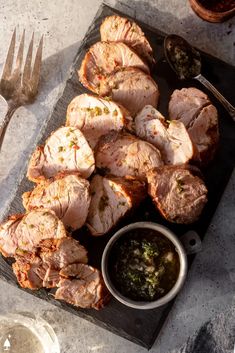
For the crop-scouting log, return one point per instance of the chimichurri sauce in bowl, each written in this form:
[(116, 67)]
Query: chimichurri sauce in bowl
[(143, 265)]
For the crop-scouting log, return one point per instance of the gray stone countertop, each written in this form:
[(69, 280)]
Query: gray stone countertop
[(210, 285)]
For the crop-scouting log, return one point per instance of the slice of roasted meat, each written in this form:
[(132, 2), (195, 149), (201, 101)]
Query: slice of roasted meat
[(122, 154), (132, 88), (67, 195), (178, 193), (112, 198), (171, 138), (120, 29), (65, 150), (59, 253), (82, 286), (35, 272), (95, 117), (103, 58), (23, 233), (29, 273), (193, 108)]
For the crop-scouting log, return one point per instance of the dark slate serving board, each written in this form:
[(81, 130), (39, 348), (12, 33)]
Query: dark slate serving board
[(142, 327)]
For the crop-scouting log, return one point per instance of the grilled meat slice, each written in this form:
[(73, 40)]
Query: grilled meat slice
[(178, 193), (67, 195), (120, 29), (23, 233), (193, 108), (29, 274), (95, 117), (112, 198), (103, 58), (82, 286), (171, 139), (40, 271), (59, 253), (132, 88), (122, 154), (34, 274), (51, 278), (65, 150)]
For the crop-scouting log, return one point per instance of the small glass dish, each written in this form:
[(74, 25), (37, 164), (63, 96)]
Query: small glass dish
[(26, 333)]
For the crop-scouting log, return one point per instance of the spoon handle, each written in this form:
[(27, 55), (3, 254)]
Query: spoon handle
[(217, 94)]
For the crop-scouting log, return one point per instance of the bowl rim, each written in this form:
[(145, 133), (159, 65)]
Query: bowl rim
[(209, 15), (178, 284), (211, 11)]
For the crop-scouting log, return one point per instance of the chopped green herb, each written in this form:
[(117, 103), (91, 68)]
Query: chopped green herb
[(107, 98), (20, 251), (97, 111), (106, 110), (72, 143), (180, 185)]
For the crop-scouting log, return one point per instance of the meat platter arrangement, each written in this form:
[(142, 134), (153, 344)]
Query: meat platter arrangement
[(114, 151)]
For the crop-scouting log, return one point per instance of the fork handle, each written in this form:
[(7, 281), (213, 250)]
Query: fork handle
[(230, 109), (4, 123)]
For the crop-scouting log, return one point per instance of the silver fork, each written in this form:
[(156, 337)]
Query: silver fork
[(19, 86)]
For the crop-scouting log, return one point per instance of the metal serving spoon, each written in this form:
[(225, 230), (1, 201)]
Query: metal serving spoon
[(186, 62)]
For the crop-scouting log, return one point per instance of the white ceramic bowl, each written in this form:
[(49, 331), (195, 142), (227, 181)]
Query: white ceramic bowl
[(182, 272)]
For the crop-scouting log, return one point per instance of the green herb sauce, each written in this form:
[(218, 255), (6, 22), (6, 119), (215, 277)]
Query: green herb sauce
[(144, 265), (184, 58)]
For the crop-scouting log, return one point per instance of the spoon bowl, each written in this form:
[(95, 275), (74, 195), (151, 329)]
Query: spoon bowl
[(186, 62), (182, 57)]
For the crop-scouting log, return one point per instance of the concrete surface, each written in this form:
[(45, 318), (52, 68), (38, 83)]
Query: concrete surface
[(210, 287)]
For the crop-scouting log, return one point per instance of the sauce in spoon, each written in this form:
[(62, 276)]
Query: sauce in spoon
[(186, 62), (184, 59)]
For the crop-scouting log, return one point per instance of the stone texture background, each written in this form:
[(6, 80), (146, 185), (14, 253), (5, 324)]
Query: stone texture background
[(210, 287)]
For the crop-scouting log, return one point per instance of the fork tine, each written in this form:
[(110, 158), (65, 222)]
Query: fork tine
[(27, 66), (10, 57), (37, 67), (19, 58)]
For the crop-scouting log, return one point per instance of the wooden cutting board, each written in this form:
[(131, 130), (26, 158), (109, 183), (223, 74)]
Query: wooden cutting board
[(141, 327)]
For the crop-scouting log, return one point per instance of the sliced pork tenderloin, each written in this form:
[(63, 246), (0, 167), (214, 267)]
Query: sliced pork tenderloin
[(103, 58), (67, 195), (171, 138), (132, 88), (65, 150), (112, 199), (35, 272), (83, 286), (178, 193), (59, 253), (23, 233), (123, 154), (193, 108), (120, 29), (29, 274), (95, 117)]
